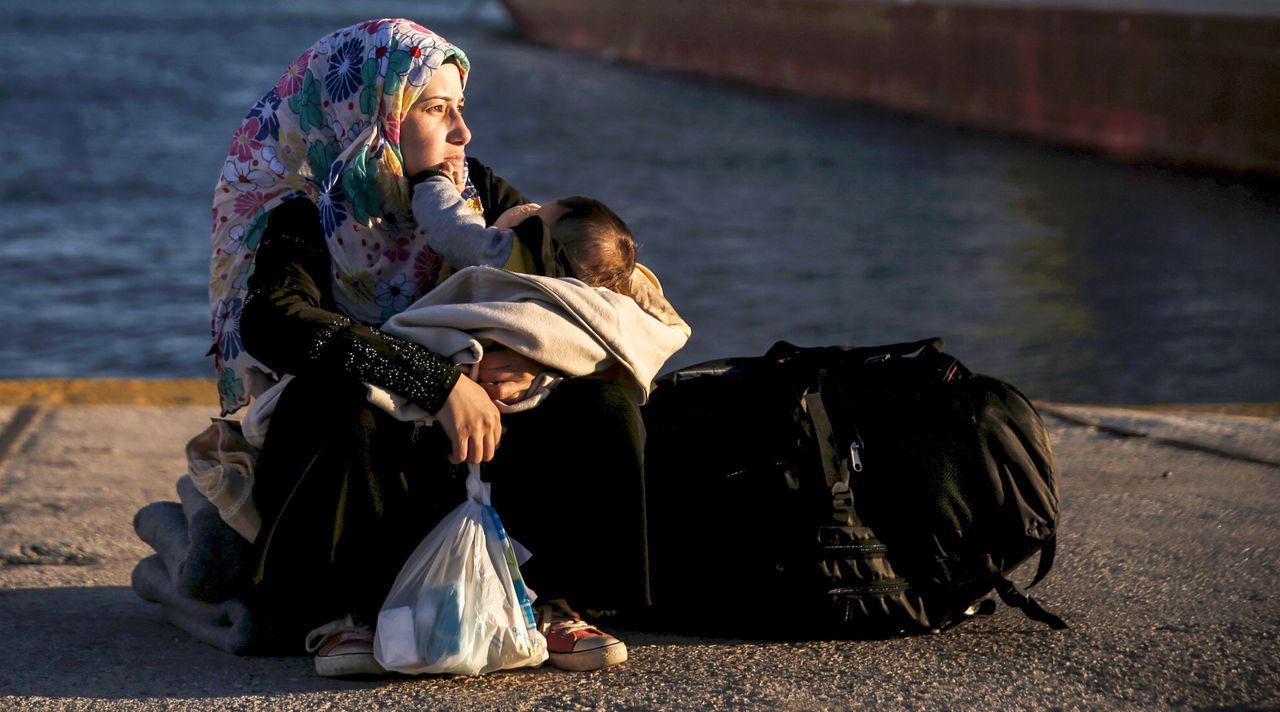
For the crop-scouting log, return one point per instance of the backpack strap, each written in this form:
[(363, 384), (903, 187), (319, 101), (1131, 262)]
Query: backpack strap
[(1031, 608), (1047, 553), (834, 467), (824, 433)]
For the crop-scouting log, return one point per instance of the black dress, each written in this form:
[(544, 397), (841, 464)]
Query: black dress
[(346, 491)]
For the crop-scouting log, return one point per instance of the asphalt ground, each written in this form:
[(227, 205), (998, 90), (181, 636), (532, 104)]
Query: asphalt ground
[(1167, 570)]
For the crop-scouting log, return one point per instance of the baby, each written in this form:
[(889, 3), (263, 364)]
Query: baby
[(571, 237)]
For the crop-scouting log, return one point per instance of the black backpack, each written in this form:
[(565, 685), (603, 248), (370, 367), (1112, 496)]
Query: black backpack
[(843, 492)]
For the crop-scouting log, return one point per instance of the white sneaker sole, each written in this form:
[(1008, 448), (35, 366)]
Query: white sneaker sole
[(586, 660), (348, 665)]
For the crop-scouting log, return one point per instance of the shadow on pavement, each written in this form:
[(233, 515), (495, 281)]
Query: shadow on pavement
[(105, 642)]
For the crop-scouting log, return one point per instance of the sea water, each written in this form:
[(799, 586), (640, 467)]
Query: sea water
[(768, 216)]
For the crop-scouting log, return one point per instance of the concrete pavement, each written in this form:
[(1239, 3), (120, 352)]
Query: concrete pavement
[(1167, 571)]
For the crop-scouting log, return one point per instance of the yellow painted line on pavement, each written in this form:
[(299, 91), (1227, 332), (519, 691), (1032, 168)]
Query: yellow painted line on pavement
[(109, 391)]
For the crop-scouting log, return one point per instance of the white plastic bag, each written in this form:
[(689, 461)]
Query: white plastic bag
[(459, 604)]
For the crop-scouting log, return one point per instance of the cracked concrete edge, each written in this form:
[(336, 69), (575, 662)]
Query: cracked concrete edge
[(201, 391), (1244, 438), (1247, 410)]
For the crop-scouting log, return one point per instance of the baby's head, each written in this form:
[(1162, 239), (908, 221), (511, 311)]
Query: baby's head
[(596, 244)]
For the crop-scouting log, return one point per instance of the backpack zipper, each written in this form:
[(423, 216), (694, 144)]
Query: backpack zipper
[(877, 588), (855, 451), (856, 548)]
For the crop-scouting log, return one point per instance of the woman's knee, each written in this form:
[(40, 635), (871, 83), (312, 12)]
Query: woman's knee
[(585, 424), (596, 398), (309, 391), (332, 407)]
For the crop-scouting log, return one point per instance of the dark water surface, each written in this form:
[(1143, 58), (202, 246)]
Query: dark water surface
[(767, 216)]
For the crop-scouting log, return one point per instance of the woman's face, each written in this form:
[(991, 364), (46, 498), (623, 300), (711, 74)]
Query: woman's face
[(433, 133)]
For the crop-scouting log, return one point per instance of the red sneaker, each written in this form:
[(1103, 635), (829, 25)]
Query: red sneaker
[(343, 648), (574, 644)]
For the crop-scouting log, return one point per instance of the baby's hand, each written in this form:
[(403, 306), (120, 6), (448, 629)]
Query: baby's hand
[(456, 172), (506, 375), (515, 216)]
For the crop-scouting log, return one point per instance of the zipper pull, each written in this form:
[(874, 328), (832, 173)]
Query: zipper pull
[(417, 425), (855, 456), (855, 451)]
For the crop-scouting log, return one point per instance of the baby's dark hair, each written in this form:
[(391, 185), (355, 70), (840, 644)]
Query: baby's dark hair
[(598, 245)]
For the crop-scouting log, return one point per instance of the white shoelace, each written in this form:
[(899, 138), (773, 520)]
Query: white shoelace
[(316, 637), (568, 625)]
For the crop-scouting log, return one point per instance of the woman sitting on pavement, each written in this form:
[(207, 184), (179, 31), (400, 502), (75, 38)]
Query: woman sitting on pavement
[(314, 247)]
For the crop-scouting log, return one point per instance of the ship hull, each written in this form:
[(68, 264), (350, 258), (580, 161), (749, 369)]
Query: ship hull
[(1198, 90)]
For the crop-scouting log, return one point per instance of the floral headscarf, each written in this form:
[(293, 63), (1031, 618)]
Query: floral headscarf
[(328, 131)]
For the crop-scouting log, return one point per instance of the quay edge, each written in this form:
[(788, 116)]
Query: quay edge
[(1193, 89), (182, 392)]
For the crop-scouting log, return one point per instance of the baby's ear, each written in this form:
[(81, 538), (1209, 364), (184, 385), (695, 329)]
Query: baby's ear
[(531, 232)]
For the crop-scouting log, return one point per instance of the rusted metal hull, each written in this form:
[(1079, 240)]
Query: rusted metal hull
[(1198, 90)]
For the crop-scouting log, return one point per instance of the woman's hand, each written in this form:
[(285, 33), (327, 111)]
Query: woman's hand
[(471, 421), (506, 375)]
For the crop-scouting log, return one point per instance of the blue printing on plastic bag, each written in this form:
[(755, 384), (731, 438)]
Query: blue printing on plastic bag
[(509, 555), (446, 630)]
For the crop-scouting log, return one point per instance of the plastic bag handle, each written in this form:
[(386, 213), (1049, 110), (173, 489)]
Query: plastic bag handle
[(477, 489)]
